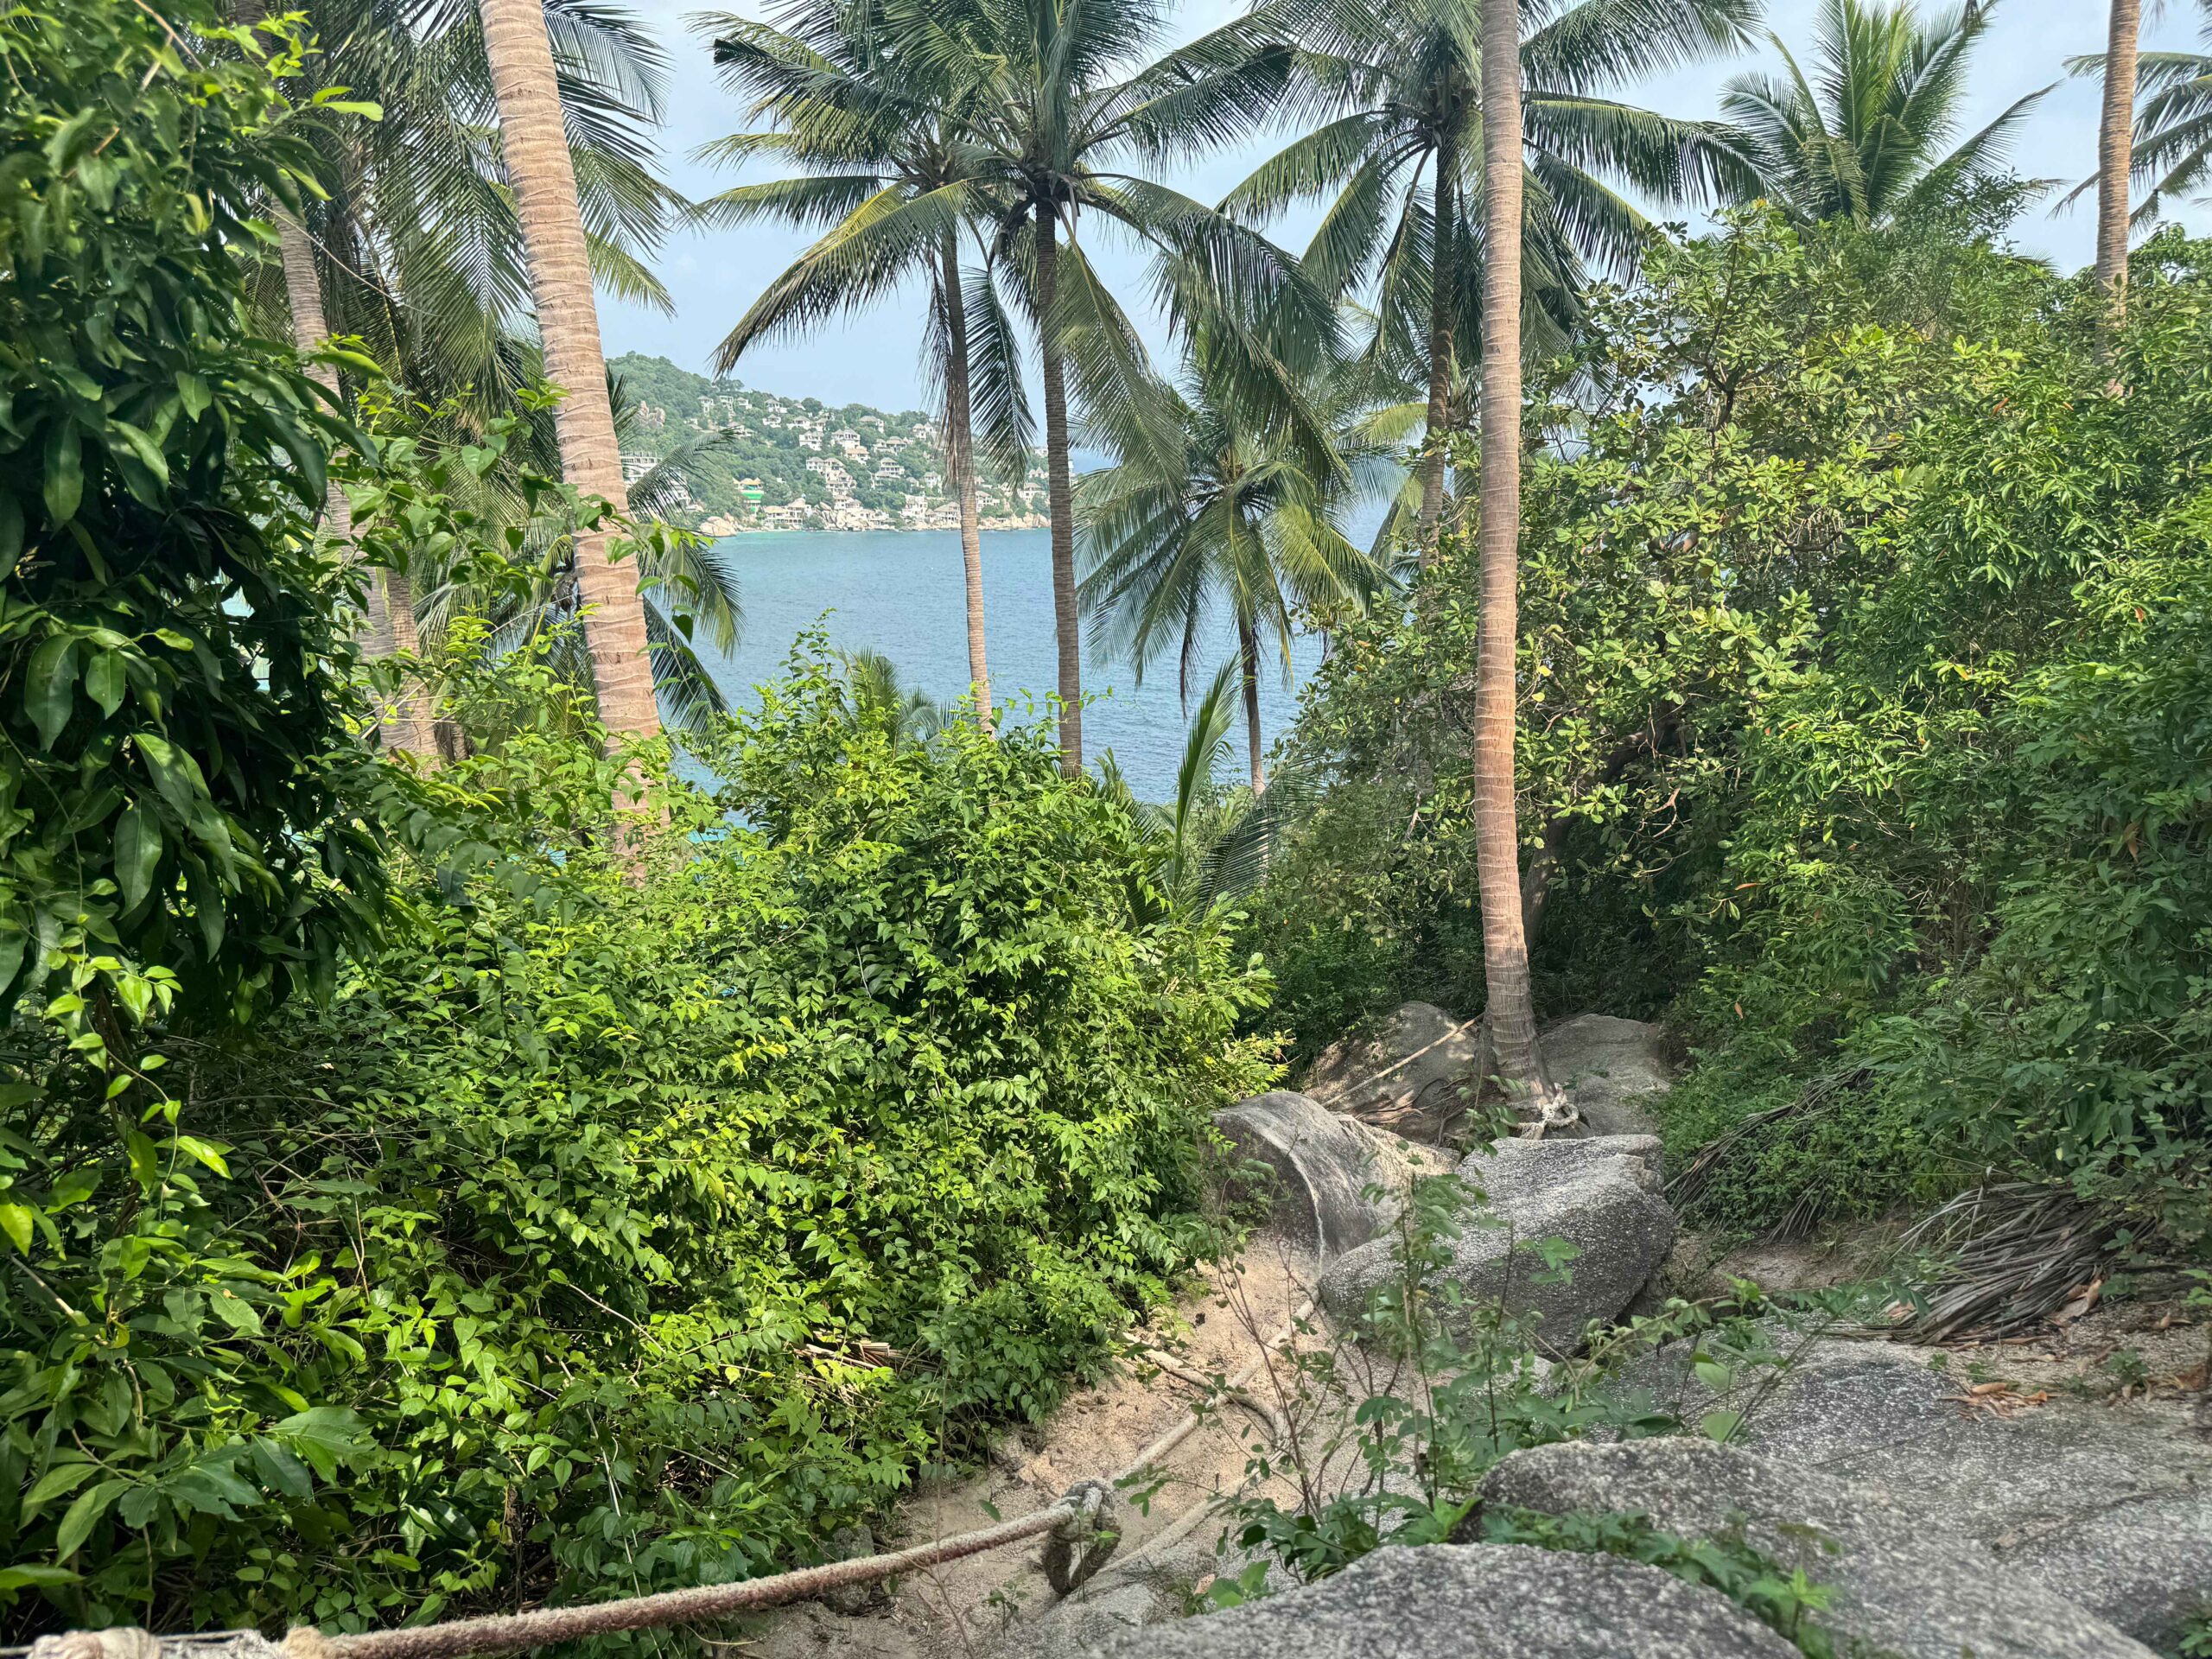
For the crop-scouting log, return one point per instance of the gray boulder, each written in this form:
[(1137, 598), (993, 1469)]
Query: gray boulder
[(1900, 1586), (1473, 1601), (1324, 1168), (1609, 1068), (2108, 1506), (1413, 1073), (1089, 1619), (1601, 1196)]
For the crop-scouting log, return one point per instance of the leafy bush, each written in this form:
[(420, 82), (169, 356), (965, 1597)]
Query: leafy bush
[(175, 758), (638, 1230), (1864, 609)]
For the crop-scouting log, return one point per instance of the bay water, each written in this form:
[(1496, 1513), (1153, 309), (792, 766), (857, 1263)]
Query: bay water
[(901, 593)]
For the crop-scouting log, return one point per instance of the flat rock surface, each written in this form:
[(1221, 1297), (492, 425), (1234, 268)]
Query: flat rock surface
[(2108, 1504), (1601, 1196), (1473, 1601), (1609, 1068), (1902, 1584), (1413, 1072)]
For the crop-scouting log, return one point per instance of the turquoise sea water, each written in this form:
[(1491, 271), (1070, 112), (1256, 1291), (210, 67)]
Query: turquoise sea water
[(901, 593)]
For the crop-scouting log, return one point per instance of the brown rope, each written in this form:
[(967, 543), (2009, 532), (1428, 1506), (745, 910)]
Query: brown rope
[(502, 1633)]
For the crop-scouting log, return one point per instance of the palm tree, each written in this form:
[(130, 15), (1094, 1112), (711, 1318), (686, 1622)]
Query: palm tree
[(2173, 140), (389, 623), (876, 700), (1052, 114), (1209, 845), (1237, 516), (687, 584), (1510, 1008), (2115, 152), (418, 247), (1863, 138), (893, 177), (1397, 91), (536, 156)]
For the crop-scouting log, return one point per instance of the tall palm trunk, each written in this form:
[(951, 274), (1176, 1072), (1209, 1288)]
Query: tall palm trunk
[(960, 466), (1505, 948), (2116, 152), (389, 625), (1430, 529), (535, 150), (1248, 652), (1060, 496)]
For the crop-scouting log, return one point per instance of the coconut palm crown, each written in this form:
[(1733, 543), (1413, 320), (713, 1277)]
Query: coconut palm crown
[(1393, 93), (1864, 136)]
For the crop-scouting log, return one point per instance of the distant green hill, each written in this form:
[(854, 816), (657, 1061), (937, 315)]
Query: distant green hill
[(795, 462)]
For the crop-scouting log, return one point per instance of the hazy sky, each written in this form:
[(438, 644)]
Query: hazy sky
[(713, 276)]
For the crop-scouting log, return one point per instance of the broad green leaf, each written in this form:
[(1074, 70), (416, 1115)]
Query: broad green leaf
[(14, 943), (84, 1515), (281, 1470), (18, 1220), (67, 1477), (1720, 1425), (137, 852), (31, 1576), (142, 445), (104, 681), (63, 485), (175, 773), (209, 1153), (50, 686), (1715, 1375)]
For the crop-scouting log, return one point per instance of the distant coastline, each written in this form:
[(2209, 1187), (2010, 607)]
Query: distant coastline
[(725, 459), (721, 525)]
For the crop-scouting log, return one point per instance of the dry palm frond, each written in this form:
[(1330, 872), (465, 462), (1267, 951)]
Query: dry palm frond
[(2022, 1252)]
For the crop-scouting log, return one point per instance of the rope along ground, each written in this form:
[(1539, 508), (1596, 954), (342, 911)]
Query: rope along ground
[(1080, 1525)]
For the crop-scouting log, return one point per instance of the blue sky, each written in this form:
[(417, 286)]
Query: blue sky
[(713, 276)]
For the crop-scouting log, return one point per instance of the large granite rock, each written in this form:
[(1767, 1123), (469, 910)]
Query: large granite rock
[(1473, 1601), (2109, 1506), (1326, 1169), (1608, 1068), (1901, 1585), (1413, 1073), (1601, 1196)]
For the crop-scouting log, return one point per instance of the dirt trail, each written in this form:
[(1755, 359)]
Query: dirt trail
[(998, 1601)]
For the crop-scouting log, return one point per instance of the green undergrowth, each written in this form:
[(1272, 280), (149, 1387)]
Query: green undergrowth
[(1428, 1391), (1867, 697), (636, 1226)]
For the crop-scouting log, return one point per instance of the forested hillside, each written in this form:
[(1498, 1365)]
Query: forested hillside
[(746, 457)]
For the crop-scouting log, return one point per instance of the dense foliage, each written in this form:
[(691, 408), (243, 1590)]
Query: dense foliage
[(174, 663), (1864, 655), (640, 1230), (654, 1181)]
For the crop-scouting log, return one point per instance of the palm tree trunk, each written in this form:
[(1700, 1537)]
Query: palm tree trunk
[(960, 464), (1061, 498), (535, 151), (2116, 152), (1430, 527), (1505, 950), (1248, 652), (388, 622)]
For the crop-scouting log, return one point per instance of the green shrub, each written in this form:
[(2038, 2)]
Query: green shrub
[(638, 1230), (174, 777), (1865, 704)]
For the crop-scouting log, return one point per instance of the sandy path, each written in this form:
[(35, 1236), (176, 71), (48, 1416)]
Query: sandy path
[(995, 1601)]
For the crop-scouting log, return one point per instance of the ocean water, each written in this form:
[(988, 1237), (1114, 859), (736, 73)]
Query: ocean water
[(901, 593)]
